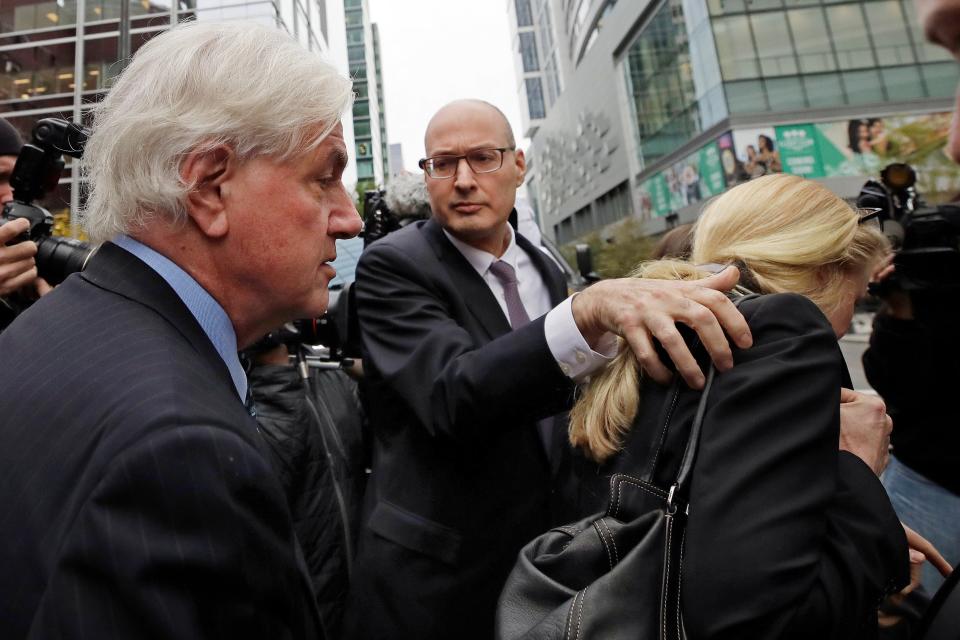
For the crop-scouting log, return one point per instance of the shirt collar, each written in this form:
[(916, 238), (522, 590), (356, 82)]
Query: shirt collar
[(481, 260), (208, 312)]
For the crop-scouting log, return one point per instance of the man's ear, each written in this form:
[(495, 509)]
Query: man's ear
[(521, 161), (207, 170)]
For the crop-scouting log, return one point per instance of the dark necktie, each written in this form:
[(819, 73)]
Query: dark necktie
[(503, 272)]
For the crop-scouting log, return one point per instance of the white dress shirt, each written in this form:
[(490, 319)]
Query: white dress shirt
[(573, 355)]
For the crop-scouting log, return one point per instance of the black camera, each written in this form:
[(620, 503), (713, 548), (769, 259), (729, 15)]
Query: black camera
[(37, 171), (926, 238)]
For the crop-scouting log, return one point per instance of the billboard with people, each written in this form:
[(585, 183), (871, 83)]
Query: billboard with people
[(855, 147)]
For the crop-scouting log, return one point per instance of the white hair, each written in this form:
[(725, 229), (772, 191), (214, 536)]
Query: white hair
[(407, 196), (200, 85)]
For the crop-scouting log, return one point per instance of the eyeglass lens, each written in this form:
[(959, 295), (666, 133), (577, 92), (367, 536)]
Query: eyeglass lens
[(480, 161)]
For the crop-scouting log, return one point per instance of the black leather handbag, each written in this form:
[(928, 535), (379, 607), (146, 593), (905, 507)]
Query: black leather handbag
[(614, 575)]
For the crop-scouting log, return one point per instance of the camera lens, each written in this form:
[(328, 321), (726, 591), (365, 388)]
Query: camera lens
[(59, 257)]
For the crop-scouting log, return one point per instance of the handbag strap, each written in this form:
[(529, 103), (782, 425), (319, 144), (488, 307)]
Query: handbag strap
[(693, 441)]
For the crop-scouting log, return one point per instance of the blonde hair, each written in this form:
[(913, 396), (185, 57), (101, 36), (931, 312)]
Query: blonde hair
[(786, 233)]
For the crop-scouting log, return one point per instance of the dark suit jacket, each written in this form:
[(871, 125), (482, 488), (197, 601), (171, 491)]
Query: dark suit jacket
[(138, 501), (460, 479), (787, 537)]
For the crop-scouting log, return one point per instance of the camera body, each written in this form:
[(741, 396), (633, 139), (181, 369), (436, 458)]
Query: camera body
[(926, 238), (37, 171)]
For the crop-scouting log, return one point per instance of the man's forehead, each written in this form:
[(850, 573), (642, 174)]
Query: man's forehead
[(465, 126)]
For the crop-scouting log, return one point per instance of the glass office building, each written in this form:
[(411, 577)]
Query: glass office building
[(369, 118), (58, 57), (663, 103)]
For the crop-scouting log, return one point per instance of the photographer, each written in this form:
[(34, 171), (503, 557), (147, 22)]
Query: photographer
[(18, 272)]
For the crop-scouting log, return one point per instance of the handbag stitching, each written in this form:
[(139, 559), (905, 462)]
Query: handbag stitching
[(666, 423), (640, 484), (666, 587), (583, 599), (683, 537), (603, 539), (613, 542), (573, 607)]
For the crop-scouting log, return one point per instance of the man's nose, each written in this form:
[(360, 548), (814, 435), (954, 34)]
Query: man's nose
[(464, 177), (345, 221)]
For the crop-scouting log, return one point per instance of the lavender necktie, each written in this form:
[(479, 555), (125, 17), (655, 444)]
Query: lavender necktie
[(518, 317), (508, 278)]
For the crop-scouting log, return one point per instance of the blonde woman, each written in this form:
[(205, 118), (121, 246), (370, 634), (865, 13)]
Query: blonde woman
[(787, 535)]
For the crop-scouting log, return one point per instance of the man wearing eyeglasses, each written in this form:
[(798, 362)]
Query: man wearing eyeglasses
[(470, 345)]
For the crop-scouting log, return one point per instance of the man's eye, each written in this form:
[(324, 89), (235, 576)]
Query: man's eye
[(441, 163)]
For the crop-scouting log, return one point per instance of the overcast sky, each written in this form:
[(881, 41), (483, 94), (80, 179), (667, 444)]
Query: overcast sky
[(435, 51)]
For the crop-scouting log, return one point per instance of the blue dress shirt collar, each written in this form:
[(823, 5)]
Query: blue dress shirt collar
[(208, 312)]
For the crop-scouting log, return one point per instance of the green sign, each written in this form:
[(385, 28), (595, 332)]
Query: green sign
[(712, 181), (799, 151), (659, 194)]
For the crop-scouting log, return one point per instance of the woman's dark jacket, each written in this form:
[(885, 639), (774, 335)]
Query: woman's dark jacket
[(788, 537), (293, 436)]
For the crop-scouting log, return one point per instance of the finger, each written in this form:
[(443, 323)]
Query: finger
[(677, 350), (646, 355), (43, 287), (924, 546), (724, 310), (848, 395), (12, 229), (702, 320), (14, 269), (17, 252), (9, 285)]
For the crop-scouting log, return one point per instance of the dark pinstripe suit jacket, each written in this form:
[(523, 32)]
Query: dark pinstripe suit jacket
[(136, 500)]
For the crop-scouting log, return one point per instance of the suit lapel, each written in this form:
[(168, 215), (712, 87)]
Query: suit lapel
[(552, 277), (474, 292), (116, 270)]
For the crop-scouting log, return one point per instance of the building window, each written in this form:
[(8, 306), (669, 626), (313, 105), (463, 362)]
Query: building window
[(535, 98), (365, 169), (889, 30), (361, 128), (354, 18), (354, 36), (356, 53), (361, 109), (528, 52), (738, 58), (812, 40), (853, 47), (774, 48), (524, 14), (659, 79)]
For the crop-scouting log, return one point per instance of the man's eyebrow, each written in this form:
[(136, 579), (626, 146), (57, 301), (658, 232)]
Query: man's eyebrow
[(476, 147)]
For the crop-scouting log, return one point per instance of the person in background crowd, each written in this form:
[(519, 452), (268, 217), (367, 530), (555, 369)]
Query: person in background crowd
[(911, 362), (139, 499), (18, 270), (466, 365), (676, 243), (314, 429)]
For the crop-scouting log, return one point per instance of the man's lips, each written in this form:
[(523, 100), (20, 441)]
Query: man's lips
[(466, 207)]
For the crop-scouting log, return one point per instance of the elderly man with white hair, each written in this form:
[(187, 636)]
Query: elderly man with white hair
[(138, 499)]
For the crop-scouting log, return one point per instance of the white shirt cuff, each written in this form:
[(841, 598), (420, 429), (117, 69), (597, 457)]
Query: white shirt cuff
[(573, 355)]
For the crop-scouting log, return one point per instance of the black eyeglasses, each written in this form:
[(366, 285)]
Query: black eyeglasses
[(479, 161), (870, 216)]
